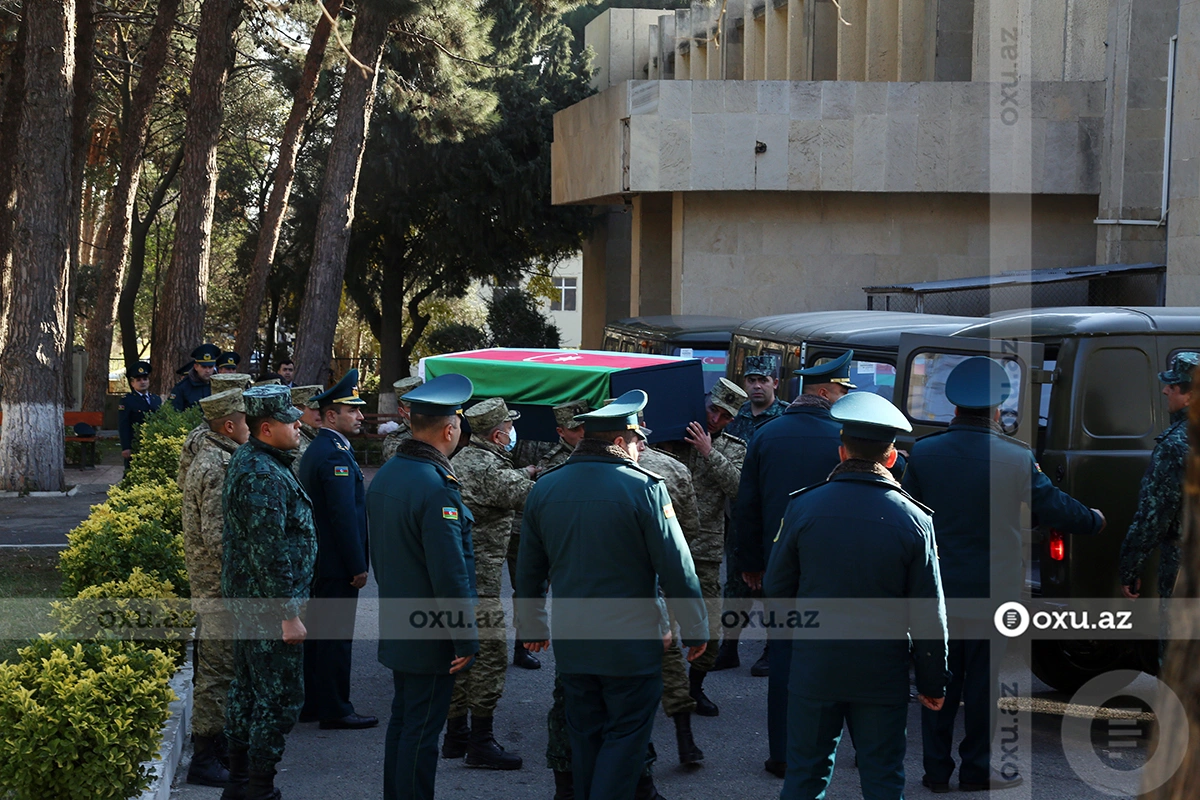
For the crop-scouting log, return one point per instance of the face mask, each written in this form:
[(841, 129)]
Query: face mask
[(512, 440)]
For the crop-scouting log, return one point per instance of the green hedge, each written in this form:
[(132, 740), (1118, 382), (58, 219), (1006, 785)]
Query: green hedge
[(162, 435)]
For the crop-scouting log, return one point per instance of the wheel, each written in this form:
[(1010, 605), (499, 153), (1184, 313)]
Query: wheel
[(1068, 664)]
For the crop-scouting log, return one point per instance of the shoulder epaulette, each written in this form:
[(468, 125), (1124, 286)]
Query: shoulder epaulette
[(799, 492), (931, 435), (643, 470), (737, 439)]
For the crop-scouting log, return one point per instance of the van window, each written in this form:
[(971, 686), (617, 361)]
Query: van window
[(870, 376), (927, 401), (1116, 400)]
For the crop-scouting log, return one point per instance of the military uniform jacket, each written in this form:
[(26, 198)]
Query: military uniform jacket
[(132, 413), (491, 486), (188, 392), (975, 479), (679, 488), (556, 457), (860, 536), (746, 424), (421, 546), (187, 454), (330, 475), (203, 516), (307, 434), (601, 528), (1157, 520), (391, 442), (716, 479), (270, 541), (797, 450)]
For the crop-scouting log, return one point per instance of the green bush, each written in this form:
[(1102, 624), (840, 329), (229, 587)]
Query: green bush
[(140, 609), (138, 528), (80, 718), (162, 435)]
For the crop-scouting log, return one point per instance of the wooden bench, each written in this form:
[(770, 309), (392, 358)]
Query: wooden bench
[(87, 444)]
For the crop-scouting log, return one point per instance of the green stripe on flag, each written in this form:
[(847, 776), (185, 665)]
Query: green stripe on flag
[(527, 381)]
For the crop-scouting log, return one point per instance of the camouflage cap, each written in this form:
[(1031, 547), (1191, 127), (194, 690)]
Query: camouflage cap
[(766, 365), (222, 404), (487, 414), (406, 385), (564, 414), (728, 395), (230, 380), (301, 395), (1179, 373), (269, 382), (271, 401)]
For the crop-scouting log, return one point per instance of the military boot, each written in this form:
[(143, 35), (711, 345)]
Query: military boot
[(727, 655), (704, 706), (564, 785), (523, 658), (689, 753), (239, 774), (205, 769), (262, 786), (484, 751), (646, 790), (762, 667), (454, 745)]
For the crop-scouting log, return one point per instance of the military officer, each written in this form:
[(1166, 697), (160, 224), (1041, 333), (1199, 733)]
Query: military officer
[(270, 549), (285, 370), (494, 489), (715, 462), (195, 437), (421, 546), (196, 376), (760, 379), (203, 528), (1156, 523), (330, 475), (310, 421), (391, 442), (975, 479), (858, 535), (797, 450), (600, 527), (569, 430), (134, 407), (228, 362)]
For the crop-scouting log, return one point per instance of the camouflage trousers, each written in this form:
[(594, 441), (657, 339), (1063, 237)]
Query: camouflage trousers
[(676, 694), (709, 573), (479, 688), (264, 698), (558, 742), (214, 672)]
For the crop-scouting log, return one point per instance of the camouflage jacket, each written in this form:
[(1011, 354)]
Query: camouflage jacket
[(191, 446), (391, 442), (270, 539), (491, 487), (307, 434), (746, 423), (556, 457), (679, 487), (529, 452), (715, 479), (203, 518), (1156, 523)]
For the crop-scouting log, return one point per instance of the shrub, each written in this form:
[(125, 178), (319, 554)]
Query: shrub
[(112, 541), (80, 718), (160, 501), (162, 435), (140, 609)]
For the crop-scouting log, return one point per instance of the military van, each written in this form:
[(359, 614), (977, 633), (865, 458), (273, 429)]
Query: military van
[(1086, 398), (689, 335)]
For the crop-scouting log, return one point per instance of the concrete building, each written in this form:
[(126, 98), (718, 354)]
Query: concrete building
[(756, 157)]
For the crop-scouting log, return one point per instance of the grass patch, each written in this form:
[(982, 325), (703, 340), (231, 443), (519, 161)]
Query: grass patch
[(27, 574)]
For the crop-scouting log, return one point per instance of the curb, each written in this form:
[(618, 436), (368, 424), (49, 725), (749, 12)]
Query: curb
[(174, 737), (74, 490)]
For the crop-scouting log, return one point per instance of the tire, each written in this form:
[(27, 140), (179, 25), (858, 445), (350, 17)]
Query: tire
[(1068, 664)]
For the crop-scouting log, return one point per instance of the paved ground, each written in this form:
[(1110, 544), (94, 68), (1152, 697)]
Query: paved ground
[(46, 520)]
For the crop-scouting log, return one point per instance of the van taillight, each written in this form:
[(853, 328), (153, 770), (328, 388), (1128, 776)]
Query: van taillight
[(1058, 548)]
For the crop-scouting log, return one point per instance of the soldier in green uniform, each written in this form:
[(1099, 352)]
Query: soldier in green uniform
[(570, 433), (310, 419), (494, 489), (391, 442), (421, 548), (602, 530), (270, 546), (196, 436), (203, 528), (858, 535), (715, 462)]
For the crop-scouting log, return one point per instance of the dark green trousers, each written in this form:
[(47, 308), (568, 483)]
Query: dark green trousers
[(610, 721), (264, 698)]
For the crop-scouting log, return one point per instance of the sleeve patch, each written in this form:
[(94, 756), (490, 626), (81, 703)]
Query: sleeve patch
[(669, 511), (449, 512), (341, 472)]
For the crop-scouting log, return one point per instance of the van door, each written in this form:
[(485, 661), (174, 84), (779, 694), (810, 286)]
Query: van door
[(924, 362)]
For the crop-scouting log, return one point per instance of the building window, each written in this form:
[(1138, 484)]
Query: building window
[(566, 295)]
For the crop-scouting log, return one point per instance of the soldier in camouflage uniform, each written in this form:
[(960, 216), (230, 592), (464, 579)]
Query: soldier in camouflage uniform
[(1157, 521), (715, 461), (494, 490), (310, 419), (195, 437), (677, 701), (391, 442), (203, 524), (270, 550)]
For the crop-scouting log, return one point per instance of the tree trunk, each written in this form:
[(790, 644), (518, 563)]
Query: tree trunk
[(139, 230), (81, 129), (14, 95), (179, 325), (116, 246), (323, 288), (31, 399), (268, 351), (281, 188)]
